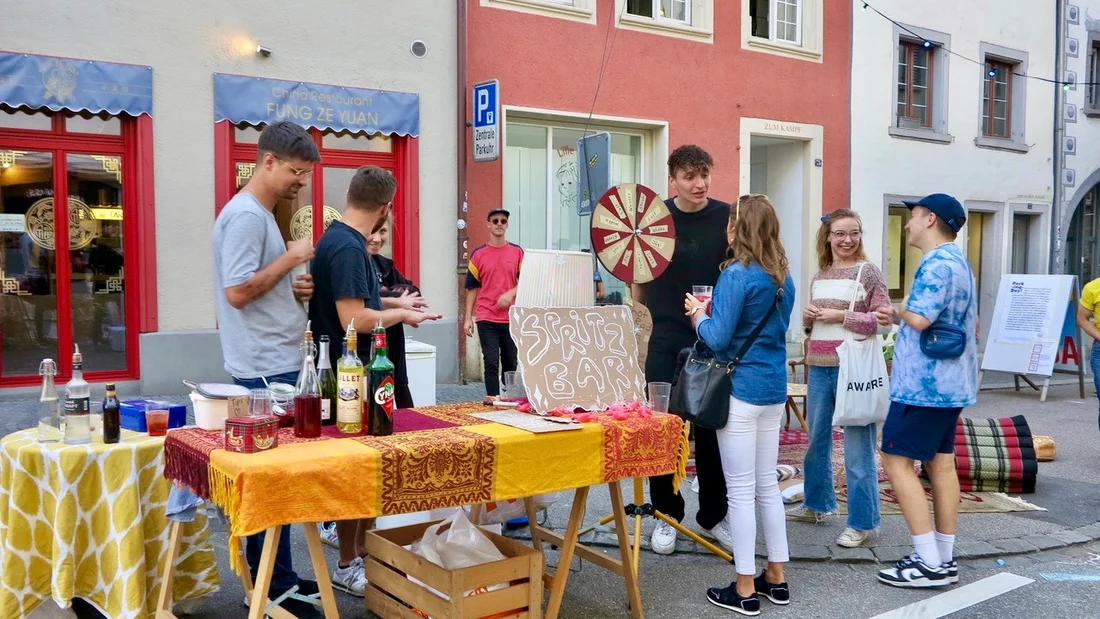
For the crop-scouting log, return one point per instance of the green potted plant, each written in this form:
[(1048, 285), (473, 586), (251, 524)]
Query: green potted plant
[(888, 349)]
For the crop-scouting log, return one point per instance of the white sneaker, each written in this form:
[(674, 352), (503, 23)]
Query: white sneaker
[(722, 534), (695, 485), (853, 538), (804, 514), (351, 579), (663, 540)]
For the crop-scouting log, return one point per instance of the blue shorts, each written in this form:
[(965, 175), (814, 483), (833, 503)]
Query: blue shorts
[(919, 432)]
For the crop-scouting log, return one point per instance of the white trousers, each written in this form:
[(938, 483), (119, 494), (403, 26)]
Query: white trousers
[(749, 446)]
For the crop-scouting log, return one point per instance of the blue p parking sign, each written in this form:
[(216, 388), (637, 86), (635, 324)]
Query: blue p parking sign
[(486, 104)]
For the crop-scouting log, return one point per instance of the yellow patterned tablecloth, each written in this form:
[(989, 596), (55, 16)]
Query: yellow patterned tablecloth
[(89, 521)]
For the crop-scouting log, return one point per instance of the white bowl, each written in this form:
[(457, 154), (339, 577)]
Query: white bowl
[(210, 414)]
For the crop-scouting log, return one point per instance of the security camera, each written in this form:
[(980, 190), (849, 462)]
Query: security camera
[(263, 51)]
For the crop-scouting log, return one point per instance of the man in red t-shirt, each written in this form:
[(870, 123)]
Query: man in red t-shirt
[(493, 270)]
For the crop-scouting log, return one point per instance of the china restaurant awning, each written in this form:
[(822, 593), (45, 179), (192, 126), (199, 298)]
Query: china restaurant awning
[(254, 100), (37, 82)]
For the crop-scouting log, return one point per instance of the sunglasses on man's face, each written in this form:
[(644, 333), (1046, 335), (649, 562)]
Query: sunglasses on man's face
[(498, 222)]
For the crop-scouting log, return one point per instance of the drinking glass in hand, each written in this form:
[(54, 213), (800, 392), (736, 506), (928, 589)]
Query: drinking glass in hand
[(702, 293)]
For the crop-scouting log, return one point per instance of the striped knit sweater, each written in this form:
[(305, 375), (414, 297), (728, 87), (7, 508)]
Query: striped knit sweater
[(833, 288)]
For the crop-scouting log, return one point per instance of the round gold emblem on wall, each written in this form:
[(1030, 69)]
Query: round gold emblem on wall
[(301, 224), (83, 226)]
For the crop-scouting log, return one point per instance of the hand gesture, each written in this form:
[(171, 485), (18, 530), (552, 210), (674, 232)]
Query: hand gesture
[(886, 315), (301, 250), (690, 303), (810, 313), (303, 287), (412, 301), (469, 327), (830, 316), (506, 299), (413, 318)]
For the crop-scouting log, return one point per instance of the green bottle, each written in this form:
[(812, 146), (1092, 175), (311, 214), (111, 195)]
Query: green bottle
[(381, 392)]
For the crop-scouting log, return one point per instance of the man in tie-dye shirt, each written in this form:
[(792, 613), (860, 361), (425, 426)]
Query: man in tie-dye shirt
[(928, 394)]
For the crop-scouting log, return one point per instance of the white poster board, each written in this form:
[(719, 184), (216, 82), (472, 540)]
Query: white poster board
[(1027, 323)]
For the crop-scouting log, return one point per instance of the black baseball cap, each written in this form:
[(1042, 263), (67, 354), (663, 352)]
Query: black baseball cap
[(499, 211), (943, 206)]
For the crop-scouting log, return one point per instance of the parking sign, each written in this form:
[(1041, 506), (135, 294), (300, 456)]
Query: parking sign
[(486, 120)]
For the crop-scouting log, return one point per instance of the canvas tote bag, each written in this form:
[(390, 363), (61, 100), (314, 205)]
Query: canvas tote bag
[(863, 387)]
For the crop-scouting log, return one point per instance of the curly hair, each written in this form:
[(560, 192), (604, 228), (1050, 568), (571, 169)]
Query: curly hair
[(689, 158), (824, 249), (755, 230)]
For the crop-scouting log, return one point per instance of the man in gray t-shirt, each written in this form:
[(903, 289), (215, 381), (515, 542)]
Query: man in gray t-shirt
[(260, 314)]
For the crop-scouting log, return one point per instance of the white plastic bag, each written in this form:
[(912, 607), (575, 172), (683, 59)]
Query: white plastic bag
[(863, 387), (456, 543), (496, 512)]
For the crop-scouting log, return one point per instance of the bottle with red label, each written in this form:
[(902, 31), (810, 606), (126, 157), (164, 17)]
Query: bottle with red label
[(381, 390)]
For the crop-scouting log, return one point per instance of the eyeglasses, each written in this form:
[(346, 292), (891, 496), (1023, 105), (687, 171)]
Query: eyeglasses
[(840, 235), (298, 173), (498, 222)]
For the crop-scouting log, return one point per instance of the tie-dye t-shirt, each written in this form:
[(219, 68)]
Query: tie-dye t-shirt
[(943, 289)]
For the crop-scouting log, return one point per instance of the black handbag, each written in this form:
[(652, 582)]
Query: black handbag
[(701, 393), (943, 341)]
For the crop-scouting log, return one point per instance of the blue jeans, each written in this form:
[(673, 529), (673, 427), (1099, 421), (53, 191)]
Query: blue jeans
[(1094, 362), (859, 456), (283, 575)]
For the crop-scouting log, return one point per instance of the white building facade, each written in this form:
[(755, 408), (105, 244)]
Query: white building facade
[(146, 114), (940, 104)]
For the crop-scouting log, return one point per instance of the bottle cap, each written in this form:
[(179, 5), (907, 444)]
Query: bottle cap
[(324, 338), (77, 357), (110, 386)]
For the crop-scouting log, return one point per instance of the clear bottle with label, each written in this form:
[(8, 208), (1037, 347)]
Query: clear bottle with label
[(349, 374), (327, 378), (78, 404), (50, 426)]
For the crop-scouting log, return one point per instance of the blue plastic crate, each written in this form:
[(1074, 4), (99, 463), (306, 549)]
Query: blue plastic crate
[(132, 414)]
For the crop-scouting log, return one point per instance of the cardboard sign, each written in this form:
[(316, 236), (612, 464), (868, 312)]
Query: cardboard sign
[(584, 357)]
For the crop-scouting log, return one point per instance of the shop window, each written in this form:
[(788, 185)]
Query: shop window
[(901, 259), (51, 300), (342, 153), (540, 187)]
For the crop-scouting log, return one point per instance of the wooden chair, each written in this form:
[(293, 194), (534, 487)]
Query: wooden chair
[(796, 390)]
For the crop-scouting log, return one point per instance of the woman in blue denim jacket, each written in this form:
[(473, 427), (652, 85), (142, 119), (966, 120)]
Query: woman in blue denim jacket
[(755, 278)]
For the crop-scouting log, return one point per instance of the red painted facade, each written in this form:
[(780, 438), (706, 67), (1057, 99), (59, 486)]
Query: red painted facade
[(700, 89)]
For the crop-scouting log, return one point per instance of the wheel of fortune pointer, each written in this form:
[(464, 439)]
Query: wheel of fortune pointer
[(632, 233)]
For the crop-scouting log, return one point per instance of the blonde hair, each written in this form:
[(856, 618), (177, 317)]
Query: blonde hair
[(824, 249), (755, 229)]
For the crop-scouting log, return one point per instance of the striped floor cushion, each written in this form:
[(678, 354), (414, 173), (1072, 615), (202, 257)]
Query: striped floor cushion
[(996, 455)]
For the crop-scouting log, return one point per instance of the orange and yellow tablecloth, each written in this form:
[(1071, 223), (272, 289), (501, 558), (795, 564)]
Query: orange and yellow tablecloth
[(438, 457)]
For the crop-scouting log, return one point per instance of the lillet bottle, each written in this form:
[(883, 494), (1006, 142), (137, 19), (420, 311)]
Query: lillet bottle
[(349, 374)]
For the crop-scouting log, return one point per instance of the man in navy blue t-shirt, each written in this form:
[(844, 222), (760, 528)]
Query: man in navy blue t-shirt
[(346, 289)]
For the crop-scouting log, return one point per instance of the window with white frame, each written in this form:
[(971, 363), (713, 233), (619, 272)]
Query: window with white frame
[(777, 20), (574, 10), (685, 19), (1092, 100), (1003, 99), (540, 185), (678, 10), (920, 84), (785, 27)]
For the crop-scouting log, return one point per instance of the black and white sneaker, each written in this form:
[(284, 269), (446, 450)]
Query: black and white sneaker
[(776, 594), (952, 569), (912, 572), (727, 598)]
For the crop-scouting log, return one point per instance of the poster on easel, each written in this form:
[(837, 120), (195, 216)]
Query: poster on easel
[(1027, 332)]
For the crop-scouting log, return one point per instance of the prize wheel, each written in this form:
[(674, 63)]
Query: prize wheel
[(632, 233)]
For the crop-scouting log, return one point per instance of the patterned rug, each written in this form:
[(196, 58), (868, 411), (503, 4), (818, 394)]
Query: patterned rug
[(793, 445)]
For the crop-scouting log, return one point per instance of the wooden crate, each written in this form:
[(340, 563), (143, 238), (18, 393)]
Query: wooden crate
[(391, 595)]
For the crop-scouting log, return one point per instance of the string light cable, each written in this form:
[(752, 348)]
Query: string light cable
[(990, 72)]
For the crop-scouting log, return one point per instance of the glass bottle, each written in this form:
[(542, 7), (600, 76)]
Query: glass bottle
[(380, 418), (111, 428), (327, 378), (349, 373), (307, 402), (78, 403), (50, 428)]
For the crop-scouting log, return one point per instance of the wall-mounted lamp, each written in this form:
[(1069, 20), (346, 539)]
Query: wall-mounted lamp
[(263, 51)]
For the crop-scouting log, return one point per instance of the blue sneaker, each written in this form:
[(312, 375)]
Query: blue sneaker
[(328, 534)]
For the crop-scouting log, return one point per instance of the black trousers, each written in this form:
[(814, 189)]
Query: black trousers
[(498, 349), (660, 366)]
